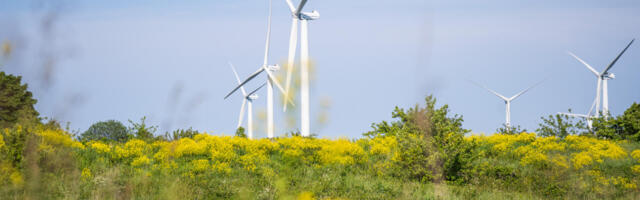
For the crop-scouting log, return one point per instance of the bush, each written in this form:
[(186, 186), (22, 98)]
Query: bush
[(110, 130), (142, 130), (431, 143)]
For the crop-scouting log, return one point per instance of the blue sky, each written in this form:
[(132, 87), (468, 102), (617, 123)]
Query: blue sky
[(167, 59)]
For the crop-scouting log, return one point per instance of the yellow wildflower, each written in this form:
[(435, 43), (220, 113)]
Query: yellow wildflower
[(581, 159), (306, 196), (16, 178), (86, 174), (635, 154), (140, 161), (200, 165)]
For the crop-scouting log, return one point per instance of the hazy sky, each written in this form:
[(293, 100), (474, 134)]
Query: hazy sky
[(167, 60)]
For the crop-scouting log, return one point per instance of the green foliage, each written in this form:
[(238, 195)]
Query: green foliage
[(514, 129), (16, 102), (560, 125), (240, 132), (142, 130), (431, 142), (179, 134), (110, 130), (625, 126), (14, 140), (630, 122)]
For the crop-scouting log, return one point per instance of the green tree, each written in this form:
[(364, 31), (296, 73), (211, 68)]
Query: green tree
[(560, 125), (16, 102), (432, 145), (240, 132), (142, 130), (110, 130), (630, 122), (625, 126)]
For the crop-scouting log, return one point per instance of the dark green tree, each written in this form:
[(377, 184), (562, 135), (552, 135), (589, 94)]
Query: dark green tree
[(625, 126), (110, 130), (240, 132), (16, 102), (630, 122)]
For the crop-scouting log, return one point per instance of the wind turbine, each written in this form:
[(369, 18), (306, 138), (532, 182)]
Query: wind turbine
[(603, 77), (248, 101), (507, 101), (588, 117), (271, 79), (303, 18)]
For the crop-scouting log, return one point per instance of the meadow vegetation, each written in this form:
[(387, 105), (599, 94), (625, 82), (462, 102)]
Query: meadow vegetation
[(423, 153)]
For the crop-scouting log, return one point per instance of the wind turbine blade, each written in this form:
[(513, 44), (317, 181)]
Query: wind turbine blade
[(300, 6), (592, 106), (618, 57), (585, 64), (574, 115), (256, 90), (490, 90), (275, 82), (525, 90), (293, 39), (266, 48), (245, 81), (244, 101), (244, 93), (291, 7)]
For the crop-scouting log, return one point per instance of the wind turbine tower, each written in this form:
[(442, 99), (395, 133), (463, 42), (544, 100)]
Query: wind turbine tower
[(303, 18)]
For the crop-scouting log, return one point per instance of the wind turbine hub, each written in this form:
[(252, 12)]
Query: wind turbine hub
[(252, 97), (313, 15), (275, 67)]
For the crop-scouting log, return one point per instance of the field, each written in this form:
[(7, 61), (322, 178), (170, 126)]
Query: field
[(52, 165)]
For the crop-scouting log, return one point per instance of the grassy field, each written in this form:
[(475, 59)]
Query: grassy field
[(41, 163)]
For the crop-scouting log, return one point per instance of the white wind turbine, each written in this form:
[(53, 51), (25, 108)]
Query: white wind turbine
[(248, 101), (588, 117), (271, 79), (507, 101), (603, 77), (303, 17)]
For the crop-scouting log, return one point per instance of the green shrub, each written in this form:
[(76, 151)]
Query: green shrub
[(110, 130), (431, 143)]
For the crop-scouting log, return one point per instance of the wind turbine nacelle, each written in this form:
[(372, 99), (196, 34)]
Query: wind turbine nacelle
[(253, 97), (313, 15), (275, 67), (610, 76)]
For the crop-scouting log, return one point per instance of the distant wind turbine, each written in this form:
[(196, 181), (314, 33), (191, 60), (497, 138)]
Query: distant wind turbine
[(271, 80), (303, 17), (507, 101), (248, 101), (603, 77), (588, 117)]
